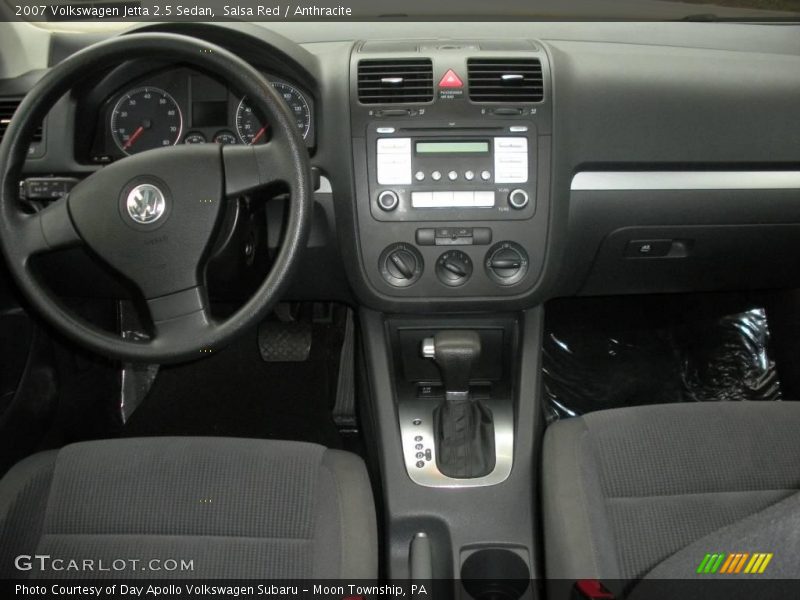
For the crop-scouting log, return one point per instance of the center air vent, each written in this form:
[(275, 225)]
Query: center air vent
[(395, 81), (7, 108), (505, 80)]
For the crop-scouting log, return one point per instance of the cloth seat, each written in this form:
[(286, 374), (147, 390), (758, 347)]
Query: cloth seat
[(235, 508), (639, 492)]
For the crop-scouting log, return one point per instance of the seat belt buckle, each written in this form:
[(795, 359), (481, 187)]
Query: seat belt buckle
[(591, 589)]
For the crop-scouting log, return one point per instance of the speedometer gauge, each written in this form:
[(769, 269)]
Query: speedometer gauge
[(249, 126), (146, 118)]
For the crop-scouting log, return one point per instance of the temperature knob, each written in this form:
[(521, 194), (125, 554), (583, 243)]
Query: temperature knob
[(401, 265), (506, 263)]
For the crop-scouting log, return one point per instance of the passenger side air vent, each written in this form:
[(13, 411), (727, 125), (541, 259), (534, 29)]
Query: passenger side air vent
[(7, 108), (505, 80), (395, 81)]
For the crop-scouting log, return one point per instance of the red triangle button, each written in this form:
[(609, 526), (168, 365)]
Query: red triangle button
[(451, 80)]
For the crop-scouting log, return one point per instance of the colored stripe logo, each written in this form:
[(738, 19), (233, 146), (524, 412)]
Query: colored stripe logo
[(734, 563)]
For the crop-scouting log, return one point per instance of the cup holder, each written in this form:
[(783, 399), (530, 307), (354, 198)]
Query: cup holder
[(495, 574)]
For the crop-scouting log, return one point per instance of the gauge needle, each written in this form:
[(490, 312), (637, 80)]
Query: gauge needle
[(134, 137), (258, 135)]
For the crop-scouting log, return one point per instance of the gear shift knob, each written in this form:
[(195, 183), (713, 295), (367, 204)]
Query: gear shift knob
[(455, 352)]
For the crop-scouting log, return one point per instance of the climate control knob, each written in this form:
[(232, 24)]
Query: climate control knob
[(401, 265), (518, 199), (388, 200), (506, 263), (454, 268)]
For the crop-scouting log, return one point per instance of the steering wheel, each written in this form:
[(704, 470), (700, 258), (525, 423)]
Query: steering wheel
[(153, 216)]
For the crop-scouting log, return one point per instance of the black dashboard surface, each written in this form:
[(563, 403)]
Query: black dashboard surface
[(678, 97)]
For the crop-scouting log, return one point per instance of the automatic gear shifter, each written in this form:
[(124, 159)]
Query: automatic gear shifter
[(463, 426)]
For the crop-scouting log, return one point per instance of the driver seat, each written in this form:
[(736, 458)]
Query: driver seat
[(236, 508)]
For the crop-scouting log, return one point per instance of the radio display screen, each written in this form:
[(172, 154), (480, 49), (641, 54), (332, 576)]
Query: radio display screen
[(450, 147)]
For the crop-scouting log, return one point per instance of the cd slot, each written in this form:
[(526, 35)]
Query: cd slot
[(451, 130)]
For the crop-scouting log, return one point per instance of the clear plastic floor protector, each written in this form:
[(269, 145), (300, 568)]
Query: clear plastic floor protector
[(594, 362)]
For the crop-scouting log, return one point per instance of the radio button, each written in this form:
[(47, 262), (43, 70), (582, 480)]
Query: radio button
[(422, 199), (436, 175), (511, 144), (463, 199), (484, 200), (394, 145), (512, 174), (394, 171), (469, 175), (442, 199), (452, 175), (486, 175), (518, 199), (388, 200), (419, 176)]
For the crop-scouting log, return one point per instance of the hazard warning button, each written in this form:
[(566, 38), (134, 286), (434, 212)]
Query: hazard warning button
[(451, 80)]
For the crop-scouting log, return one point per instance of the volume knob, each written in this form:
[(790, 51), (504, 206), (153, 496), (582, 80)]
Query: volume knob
[(388, 200)]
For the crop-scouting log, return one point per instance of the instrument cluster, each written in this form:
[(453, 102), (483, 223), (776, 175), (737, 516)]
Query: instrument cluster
[(182, 106)]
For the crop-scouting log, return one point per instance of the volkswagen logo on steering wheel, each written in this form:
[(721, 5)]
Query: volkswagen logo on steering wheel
[(146, 204)]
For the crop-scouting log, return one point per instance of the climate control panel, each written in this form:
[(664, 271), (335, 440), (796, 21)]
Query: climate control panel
[(505, 263)]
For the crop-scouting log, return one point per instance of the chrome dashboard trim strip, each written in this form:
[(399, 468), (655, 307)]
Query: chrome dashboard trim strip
[(685, 180)]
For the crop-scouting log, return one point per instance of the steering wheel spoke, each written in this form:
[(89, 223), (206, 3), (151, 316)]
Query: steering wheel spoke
[(249, 168), (180, 315), (48, 230)]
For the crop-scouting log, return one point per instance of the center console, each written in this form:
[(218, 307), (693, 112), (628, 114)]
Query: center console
[(451, 155), (454, 417)]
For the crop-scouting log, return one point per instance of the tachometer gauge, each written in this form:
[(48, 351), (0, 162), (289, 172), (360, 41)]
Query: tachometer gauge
[(249, 126), (146, 118)]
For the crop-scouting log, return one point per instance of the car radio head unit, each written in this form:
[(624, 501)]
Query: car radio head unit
[(427, 173)]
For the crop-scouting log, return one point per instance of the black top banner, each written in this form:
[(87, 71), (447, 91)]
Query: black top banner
[(413, 10)]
